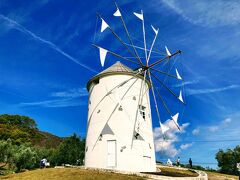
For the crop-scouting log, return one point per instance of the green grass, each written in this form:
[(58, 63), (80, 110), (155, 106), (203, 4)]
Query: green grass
[(174, 172), (78, 173), (68, 174)]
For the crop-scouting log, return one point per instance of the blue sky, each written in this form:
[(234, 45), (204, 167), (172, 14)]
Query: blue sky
[(46, 59)]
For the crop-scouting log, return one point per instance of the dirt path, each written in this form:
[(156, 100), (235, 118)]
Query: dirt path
[(216, 176)]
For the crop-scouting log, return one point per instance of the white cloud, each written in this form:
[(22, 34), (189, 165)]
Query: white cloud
[(227, 120), (207, 13), (196, 131), (185, 146), (167, 147), (213, 128), (223, 124)]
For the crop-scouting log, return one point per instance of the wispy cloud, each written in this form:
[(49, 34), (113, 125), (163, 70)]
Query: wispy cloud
[(205, 13), (67, 102), (213, 90), (167, 147), (186, 83), (214, 127), (68, 98), (196, 131), (15, 25), (71, 93), (220, 126)]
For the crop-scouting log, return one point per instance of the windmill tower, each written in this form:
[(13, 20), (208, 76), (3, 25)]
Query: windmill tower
[(119, 131)]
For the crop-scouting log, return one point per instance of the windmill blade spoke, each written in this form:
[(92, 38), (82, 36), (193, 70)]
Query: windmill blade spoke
[(136, 115), (140, 16), (156, 34), (166, 57), (144, 36), (115, 110), (154, 98), (128, 35), (165, 73), (114, 54), (119, 39), (169, 90), (144, 79), (165, 105), (141, 48)]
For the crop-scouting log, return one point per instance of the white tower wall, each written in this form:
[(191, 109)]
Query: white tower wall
[(110, 146)]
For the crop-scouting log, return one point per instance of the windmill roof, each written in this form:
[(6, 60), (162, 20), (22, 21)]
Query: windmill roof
[(117, 68)]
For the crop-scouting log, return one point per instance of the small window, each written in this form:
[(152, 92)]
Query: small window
[(89, 101), (98, 111), (134, 98), (142, 111), (86, 148), (136, 135), (100, 137), (120, 108)]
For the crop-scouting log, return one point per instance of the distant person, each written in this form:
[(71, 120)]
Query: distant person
[(178, 161), (190, 162)]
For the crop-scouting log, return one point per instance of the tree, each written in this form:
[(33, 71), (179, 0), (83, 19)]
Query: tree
[(228, 159), (25, 158), (71, 150), (6, 152)]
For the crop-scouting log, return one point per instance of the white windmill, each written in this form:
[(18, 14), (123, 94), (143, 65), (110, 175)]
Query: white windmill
[(119, 130)]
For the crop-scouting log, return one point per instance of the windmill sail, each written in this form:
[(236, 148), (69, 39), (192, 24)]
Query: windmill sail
[(168, 53), (103, 53), (155, 30), (117, 13), (164, 128), (180, 97), (178, 75), (140, 16), (175, 117), (104, 25)]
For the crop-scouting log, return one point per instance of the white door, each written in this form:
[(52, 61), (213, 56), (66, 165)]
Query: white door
[(147, 162), (111, 153)]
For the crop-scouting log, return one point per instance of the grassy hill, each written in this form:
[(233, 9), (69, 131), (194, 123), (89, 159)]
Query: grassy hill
[(69, 173), (22, 129), (86, 174)]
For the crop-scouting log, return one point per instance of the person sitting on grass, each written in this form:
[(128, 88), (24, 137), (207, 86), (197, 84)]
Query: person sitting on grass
[(169, 162), (43, 163)]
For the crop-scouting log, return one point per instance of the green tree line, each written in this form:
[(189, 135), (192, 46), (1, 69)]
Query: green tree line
[(20, 146)]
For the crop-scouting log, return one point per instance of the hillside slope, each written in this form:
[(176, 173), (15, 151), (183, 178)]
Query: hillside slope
[(22, 129)]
